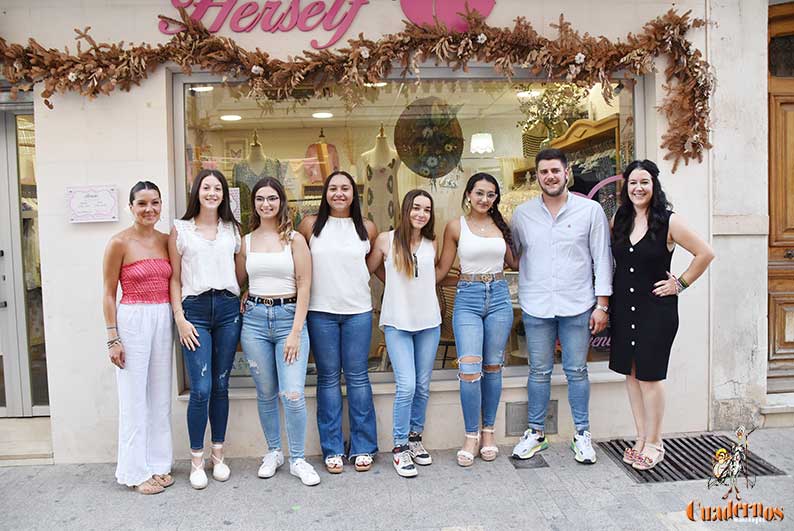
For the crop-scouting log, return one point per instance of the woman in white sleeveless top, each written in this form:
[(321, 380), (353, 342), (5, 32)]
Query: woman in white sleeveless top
[(410, 318), (277, 263), (205, 298), (340, 321), (483, 314)]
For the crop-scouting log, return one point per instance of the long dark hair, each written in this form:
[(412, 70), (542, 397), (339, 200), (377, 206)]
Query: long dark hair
[(224, 209), (401, 247), (284, 221), (143, 185), (496, 216), (657, 212), (355, 208)]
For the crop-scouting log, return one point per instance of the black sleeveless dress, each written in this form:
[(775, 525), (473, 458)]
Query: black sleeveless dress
[(643, 325)]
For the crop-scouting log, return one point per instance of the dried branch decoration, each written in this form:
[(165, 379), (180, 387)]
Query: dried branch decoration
[(580, 59)]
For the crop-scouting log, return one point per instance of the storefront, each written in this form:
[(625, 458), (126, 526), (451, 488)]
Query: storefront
[(176, 123)]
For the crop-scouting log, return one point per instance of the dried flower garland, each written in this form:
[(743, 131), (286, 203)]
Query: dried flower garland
[(580, 59)]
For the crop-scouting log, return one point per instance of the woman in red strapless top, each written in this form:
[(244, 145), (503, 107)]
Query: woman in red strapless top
[(140, 343)]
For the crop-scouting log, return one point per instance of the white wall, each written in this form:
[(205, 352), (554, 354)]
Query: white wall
[(125, 137)]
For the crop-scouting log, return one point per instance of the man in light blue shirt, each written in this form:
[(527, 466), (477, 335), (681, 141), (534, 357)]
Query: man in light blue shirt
[(563, 244)]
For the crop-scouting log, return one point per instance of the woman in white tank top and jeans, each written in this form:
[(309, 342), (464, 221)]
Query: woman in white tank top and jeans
[(410, 319), (483, 314), (277, 263), (340, 321)]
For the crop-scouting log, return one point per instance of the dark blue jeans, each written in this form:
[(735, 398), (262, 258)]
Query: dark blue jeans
[(216, 317), (341, 343)]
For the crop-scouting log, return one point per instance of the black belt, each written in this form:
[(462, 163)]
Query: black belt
[(269, 301)]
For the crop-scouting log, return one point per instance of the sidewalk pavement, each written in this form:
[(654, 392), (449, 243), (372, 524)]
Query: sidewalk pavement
[(487, 496)]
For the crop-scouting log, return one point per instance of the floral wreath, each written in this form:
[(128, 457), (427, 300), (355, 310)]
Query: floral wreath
[(581, 59)]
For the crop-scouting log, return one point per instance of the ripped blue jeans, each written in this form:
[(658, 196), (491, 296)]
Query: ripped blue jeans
[(574, 335), (482, 319), (216, 316), (265, 332)]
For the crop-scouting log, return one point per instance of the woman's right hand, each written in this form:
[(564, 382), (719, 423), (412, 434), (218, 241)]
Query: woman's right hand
[(116, 353), (188, 335)]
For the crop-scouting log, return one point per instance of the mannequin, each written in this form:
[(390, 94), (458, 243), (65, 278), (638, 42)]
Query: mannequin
[(246, 174), (381, 198), (256, 157), (323, 160)]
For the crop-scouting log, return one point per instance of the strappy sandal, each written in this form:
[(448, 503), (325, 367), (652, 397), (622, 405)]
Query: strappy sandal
[(220, 470), (363, 462), (334, 464), (488, 453), (150, 486), (164, 480), (464, 457), (643, 462), (630, 454)]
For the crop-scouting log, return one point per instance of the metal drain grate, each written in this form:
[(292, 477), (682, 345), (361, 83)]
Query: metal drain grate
[(686, 458)]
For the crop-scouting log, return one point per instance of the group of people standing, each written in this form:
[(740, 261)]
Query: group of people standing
[(310, 286)]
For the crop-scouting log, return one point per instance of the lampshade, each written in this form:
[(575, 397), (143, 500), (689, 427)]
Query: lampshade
[(481, 143)]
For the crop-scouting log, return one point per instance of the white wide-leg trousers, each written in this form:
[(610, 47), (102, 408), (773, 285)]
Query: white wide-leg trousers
[(145, 445)]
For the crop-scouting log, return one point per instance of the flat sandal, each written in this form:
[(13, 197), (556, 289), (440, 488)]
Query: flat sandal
[(148, 487), (164, 480), (363, 462)]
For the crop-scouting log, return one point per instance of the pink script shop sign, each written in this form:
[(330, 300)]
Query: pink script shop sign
[(333, 16), (272, 16)]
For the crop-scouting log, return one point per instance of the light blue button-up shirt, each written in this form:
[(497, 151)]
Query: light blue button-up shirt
[(558, 258)]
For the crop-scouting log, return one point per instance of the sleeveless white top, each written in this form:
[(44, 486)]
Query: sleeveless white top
[(340, 278), (479, 255), (270, 273), (207, 264), (410, 303)]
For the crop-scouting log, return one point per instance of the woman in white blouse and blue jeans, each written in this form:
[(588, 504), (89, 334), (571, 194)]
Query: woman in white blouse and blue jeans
[(340, 321), (410, 318), (205, 299)]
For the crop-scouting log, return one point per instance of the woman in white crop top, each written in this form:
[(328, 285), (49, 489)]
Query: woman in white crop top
[(204, 296), (483, 314), (410, 318), (340, 320), (278, 266)]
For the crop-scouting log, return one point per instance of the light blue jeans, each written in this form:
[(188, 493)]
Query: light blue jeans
[(265, 331), (412, 355), (574, 335), (482, 319)]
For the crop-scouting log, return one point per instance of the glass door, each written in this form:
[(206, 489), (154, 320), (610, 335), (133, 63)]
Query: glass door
[(23, 362)]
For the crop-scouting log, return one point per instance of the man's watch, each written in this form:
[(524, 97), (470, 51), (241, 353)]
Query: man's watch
[(604, 309)]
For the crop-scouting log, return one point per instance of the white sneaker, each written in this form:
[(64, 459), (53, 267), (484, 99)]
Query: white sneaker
[(305, 471), (419, 455), (530, 443), (270, 464), (198, 477), (583, 448), (403, 464)]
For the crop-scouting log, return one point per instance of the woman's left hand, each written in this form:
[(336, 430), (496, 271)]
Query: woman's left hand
[(292, 347), (666, 288)]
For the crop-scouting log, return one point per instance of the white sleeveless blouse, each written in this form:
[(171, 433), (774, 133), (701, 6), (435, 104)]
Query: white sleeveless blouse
[(340, 278), (410, 303), (207, 264)]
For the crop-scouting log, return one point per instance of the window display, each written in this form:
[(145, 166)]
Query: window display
[(431, 135)]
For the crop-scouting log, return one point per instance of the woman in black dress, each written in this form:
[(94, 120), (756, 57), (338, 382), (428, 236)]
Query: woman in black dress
[(644, 306)]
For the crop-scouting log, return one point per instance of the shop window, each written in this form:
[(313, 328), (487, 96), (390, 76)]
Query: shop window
[(488, 125)]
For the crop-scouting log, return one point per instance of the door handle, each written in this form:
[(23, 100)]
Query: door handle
[(789, 254), (3, 304)]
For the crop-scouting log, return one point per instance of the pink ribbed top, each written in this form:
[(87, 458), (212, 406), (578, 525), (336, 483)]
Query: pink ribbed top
[(146, 281)]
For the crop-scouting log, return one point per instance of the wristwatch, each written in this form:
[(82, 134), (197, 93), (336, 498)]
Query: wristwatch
[(604, 309)]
